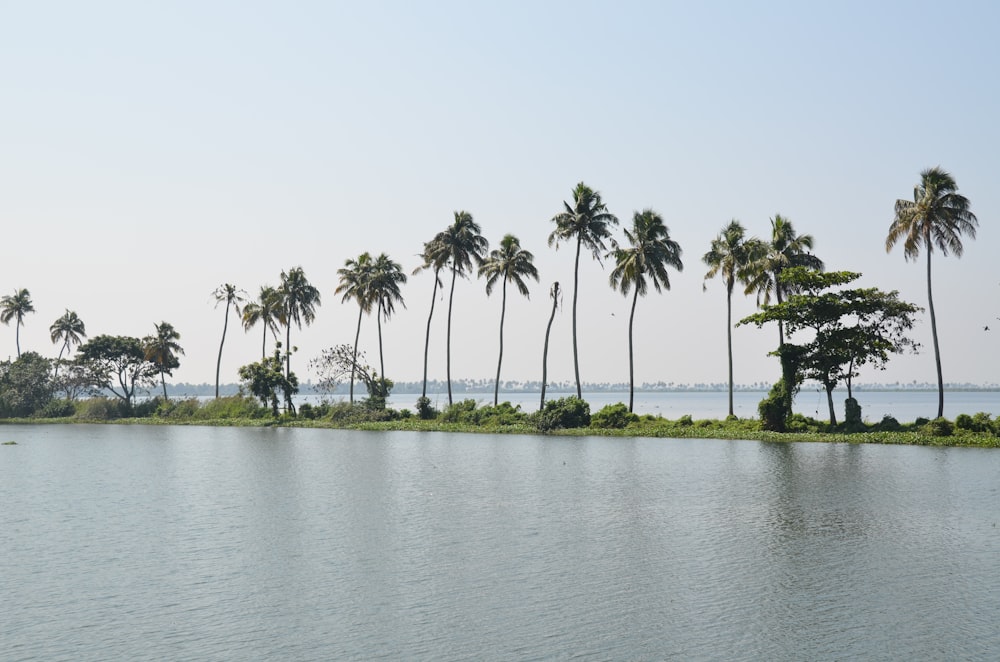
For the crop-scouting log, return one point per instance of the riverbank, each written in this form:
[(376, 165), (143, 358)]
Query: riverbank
[(648, 427)]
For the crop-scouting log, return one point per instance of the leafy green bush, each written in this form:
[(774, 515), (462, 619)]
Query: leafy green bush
[(178, 409), (57, 409), (230, 407), (460, 412), (685, 420), (980, 422), (889, 424), (571, 412), (939, 427), (921, 422), (424, 409), (773, 409), (616, 416), (852, 416), (99, 409)]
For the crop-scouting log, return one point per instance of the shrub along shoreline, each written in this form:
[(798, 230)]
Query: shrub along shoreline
[(563, 417)]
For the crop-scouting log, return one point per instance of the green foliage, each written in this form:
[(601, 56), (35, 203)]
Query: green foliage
[(685, 420), (852, 416), (616, 416), (231, 407), (424, 409), (773, 410), (921, 421), (265, 378), (939, 427), (179, 409), (570, 412), (57, 409), (980, 422), (889, 424), (118, 364), (100, 409), (25, 385)]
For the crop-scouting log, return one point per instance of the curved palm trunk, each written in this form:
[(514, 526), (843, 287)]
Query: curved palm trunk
[(263, 344), (781, 325), (503, 313), (729, 341), (576, 287), (354, 360), (448, 359), (55, 373), (631, 354), (545, 348), (934, 335), (17, 337), (381, 361), (427, 339), (218, 363), (288, 349), (163, 380)]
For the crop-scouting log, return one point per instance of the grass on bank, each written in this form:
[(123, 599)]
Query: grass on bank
[(564, 416)]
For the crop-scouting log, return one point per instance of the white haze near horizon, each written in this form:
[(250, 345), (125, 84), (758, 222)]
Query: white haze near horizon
[(150, 152)]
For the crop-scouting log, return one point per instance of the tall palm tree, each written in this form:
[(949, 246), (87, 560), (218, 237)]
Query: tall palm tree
[(786, 249), (386, 277), (556, 295), (587, 221), (162, 349), (69, 330), (300, 299), (730, 256), (435, 256), (15, 308), (937, 216), (509, 263), (233, 298), (355, 283), (268, 309), (650, 252), (464, 245)]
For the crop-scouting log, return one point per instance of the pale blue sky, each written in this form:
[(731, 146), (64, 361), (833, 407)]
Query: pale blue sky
[(151, 151)]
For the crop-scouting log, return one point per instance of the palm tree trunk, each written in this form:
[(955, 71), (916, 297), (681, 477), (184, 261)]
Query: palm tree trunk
[(55, 373), (781, 326), (576, 287), (631, 354), (381, 361), (451, 297), (17, 337), (829, 403), (288, 349), (503, 312), (354, 360), (218, 363), (545, 348), (729, 342), (427, 338), (934, 335), (263, 343), (163, 380)]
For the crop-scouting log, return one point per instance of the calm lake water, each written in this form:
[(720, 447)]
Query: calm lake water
[(152, 543)]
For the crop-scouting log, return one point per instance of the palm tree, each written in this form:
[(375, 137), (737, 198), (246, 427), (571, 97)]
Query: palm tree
[(233, 298), (650, 252), (556, 295), (299, 301), (464, 245), (386, 277), (355, 281), (162, 349), (269, 311), (586, 221), (15, 308), (510, 263), (435, 256), (937, 216), (69, 330), (786, 249), (731, 255)]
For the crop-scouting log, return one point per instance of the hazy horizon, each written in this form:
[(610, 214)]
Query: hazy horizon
[(152, 153)]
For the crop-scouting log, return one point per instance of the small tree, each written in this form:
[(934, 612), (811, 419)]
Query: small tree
[(25, 385), (117, 364), (851, 327), (265, 378), (337, 363)]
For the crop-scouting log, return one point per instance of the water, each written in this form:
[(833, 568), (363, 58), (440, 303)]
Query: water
[(149, 543)]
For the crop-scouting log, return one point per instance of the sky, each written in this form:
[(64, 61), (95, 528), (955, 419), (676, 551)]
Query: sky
[(151, 151)]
